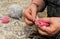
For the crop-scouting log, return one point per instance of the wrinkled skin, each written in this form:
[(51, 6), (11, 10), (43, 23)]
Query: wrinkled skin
[(52, 29), (30, 14)]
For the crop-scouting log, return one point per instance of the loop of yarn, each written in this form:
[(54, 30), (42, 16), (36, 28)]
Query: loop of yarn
[(41, 23)]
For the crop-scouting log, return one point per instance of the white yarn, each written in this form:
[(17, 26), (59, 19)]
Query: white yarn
[(15, 11)]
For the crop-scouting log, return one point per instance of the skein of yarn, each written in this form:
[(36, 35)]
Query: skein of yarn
[(15, 11)]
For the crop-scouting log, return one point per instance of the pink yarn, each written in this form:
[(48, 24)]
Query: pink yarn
[(5, 19), (41, 22)]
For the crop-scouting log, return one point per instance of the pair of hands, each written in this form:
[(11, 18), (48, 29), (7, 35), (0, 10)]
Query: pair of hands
[(30, 14)]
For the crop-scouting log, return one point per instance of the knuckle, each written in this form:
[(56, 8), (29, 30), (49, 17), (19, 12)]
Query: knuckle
[(51, 32), (41, 33), (29, 23)]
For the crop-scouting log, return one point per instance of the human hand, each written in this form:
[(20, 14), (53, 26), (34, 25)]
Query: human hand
[(30, 14), (49, 30)]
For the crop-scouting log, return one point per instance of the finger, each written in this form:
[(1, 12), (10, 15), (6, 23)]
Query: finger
[(28, 21), (34, 11), (46, 19), (42, 32), (49, 29), (28, 15), (37, 24)]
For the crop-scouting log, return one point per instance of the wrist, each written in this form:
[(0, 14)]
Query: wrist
[(40, 4), (36, 4), (39, 7)]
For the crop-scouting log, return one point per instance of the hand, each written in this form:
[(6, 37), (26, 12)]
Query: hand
[(30, 14), (52, 29)]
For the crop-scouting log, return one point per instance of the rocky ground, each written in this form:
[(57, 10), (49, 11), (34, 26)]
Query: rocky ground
[(15, 29)]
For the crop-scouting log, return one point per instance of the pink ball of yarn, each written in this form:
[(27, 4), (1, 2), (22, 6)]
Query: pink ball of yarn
[(5, 19), (42, 23)]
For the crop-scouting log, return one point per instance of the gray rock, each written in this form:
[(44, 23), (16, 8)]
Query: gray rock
[(15, 11)]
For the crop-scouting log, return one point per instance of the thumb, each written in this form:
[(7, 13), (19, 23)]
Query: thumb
[(45, 19)]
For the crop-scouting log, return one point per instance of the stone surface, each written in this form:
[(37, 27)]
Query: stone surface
[(15, 29), (15, 11)]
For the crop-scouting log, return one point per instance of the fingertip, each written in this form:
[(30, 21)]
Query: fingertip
[(28, 22)]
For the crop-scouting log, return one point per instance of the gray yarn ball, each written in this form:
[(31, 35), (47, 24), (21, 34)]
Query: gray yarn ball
[(15, 11)]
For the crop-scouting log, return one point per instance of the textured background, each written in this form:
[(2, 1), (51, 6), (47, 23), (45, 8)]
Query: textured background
[(14, 28)]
